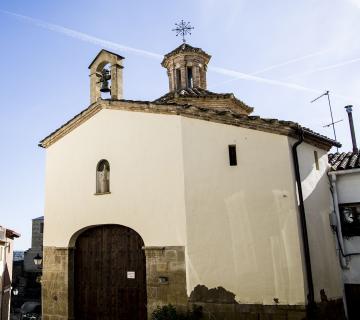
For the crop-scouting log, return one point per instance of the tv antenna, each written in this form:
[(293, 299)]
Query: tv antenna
[(328, 125), (327, 93)]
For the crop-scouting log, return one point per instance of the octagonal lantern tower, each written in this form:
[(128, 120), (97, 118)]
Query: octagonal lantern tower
[(186, 67)]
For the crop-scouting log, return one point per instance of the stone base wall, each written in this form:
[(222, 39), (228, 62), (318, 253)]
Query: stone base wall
[(326, 310), (220, 311), (166, 284), (165, 277), (330, 310), (57, 301), (165, 274)]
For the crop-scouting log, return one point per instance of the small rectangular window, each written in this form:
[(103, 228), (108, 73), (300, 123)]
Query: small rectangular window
[(41, 227), (350, 219), (232, 155), (316, 157)]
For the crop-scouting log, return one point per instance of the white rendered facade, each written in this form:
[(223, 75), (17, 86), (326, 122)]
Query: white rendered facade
[(171, 182)]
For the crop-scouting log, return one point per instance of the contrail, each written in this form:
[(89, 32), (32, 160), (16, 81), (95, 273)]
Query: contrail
[(332, 66), (116, 46), (239, 75), (83, 36), (279, 65), (294, 86)]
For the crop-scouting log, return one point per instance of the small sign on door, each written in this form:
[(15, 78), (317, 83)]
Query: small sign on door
[(130, 275)]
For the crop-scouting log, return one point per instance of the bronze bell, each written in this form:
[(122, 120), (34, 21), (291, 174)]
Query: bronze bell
[(105, 77)]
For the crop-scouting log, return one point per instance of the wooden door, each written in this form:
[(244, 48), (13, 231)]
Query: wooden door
[(110, 274)]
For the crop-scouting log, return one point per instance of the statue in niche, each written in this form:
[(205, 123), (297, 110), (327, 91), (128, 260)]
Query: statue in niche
[(103, 177)]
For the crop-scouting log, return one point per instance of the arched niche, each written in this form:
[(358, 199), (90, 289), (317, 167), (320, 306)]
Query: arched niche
[(103, 177)]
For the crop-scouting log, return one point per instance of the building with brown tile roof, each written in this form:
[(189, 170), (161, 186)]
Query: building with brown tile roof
[(345, 185), (344, 161), (180, 197)]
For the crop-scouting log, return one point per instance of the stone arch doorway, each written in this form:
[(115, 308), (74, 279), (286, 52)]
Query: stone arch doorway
[(109, 274)]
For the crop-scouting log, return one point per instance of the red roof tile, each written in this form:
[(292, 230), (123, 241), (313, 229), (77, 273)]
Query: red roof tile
[(344, 161)]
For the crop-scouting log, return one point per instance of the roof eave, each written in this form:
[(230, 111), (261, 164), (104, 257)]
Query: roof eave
[(243, 105), (12, 234), (188, 49), (343, 171), (324, 141), (47, 141), (227, 116), (167, 57)]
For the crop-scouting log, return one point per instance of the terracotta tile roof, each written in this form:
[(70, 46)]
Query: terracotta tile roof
[(192, 92), (224, 116), (200, 93), (344, 160), (11, 234)]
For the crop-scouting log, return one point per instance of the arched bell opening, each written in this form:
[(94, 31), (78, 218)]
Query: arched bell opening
[(106, 76), (109, 273), (103, 72)]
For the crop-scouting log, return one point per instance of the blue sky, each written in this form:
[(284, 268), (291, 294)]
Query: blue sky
[(275, 55)]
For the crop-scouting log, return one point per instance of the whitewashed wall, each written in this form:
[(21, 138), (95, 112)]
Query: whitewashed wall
[(241, 220), (318, 203), (348, 186), (146, 178), (172, 183)]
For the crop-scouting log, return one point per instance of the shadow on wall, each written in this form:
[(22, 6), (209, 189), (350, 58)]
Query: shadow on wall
[(310, 176), (218, 303), (215, 295), (325, 268)]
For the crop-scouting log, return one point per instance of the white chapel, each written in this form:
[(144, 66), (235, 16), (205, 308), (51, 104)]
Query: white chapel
[(186, 200)]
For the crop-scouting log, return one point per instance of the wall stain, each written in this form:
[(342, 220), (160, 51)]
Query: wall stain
[(323, 296), (202, 293)]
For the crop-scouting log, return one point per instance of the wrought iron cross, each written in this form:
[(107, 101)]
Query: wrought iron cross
[(183, 28)]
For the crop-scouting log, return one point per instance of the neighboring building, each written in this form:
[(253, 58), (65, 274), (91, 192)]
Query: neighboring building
[(7, 237), (185, 200), (345, 177), (36, 245), (26, 275), (18, 256), (345, 186), (19, 283)]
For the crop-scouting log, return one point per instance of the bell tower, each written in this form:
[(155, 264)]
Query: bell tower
[(186, 68), (100, 76)]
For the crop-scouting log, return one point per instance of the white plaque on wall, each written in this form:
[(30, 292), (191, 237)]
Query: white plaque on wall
[(130, 274)]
